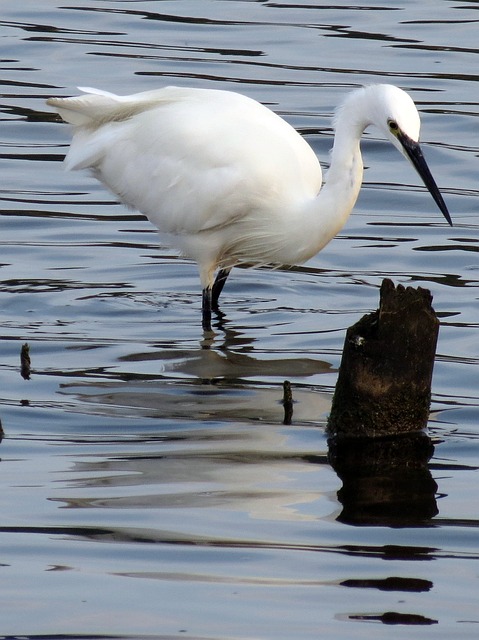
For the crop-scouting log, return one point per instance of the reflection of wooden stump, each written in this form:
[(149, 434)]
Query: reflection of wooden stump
[(384, 382), (386, 481)]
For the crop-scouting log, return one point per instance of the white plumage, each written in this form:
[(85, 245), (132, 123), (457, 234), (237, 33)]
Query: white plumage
[(226, 179)]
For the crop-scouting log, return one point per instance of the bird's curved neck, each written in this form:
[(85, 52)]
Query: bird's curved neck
[(334, 203)]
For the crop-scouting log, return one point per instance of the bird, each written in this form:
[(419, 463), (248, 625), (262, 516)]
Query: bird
[(225, 179)]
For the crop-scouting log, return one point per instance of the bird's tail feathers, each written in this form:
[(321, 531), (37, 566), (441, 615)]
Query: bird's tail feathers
[(93, 108)]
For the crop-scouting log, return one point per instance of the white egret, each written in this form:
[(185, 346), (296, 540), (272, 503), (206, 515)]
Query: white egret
[(227, 180)]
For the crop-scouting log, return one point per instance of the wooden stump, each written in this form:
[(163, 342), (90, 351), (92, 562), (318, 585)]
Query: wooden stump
[(384, 382)]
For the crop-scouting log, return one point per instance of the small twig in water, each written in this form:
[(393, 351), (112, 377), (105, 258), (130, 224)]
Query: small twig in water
[(287, 402), (25, 362)]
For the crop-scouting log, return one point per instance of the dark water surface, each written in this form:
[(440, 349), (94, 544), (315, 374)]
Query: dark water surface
[(150, 487)]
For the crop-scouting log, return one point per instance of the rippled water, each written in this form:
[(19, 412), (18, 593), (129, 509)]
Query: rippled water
[(150, 487)]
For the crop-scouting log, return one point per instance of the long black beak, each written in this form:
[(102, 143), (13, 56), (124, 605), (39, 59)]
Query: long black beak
[(414, 153)]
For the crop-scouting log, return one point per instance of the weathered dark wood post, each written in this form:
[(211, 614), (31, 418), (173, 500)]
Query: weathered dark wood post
[(384, 382), (377, 445)]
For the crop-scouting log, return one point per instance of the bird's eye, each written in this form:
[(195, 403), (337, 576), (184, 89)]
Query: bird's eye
[(393, 126)]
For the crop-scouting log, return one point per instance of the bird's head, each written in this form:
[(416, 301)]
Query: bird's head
[(396, 115)]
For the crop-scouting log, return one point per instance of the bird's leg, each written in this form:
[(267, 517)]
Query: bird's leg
[(206, 309), (218, 285), (211, 295)]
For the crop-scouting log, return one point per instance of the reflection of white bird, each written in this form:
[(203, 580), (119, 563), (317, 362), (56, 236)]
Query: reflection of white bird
[(226, 179)]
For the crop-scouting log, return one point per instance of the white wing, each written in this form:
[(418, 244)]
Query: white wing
[(190, 159)]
